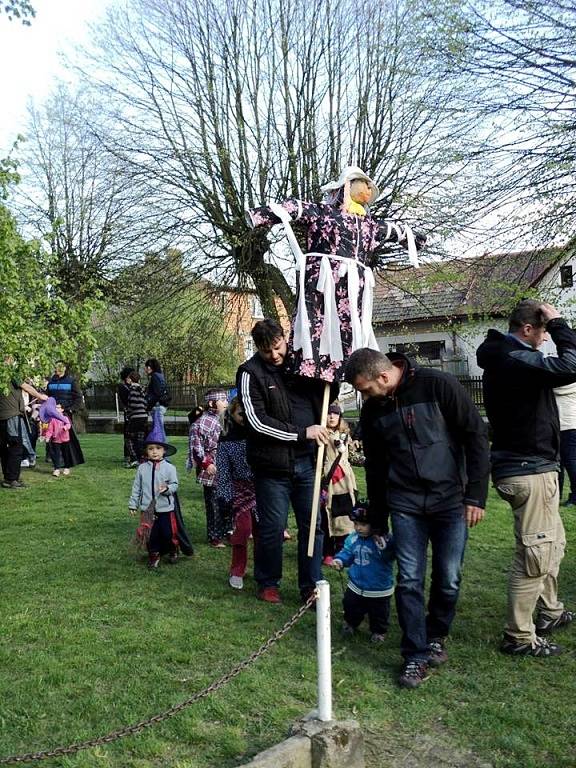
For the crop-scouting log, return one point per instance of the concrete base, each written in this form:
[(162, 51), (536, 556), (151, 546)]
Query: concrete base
[(314, 744)]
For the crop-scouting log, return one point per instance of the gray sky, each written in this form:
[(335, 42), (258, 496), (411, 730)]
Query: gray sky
[(29, 60)]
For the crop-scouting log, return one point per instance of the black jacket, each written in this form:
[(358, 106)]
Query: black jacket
[(426, 446), (518, 396), (65, 390), (273, 437)]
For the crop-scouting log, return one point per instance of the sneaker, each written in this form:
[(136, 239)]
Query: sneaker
[(436, 652), (377, 637), (269, 595), (13, 484), (173, 558), (66, 472), (542, 648), (56, 473), (236, 582), (347, 630), (153, 562), (414, 673), (217, 544), (545, 626), (328, 560), (25, 463)]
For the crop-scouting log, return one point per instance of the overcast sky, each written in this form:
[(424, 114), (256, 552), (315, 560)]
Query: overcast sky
[(29, 60)]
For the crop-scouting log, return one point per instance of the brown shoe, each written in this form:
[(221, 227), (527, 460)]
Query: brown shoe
[(414, 673), (436, 652), (269, 595)]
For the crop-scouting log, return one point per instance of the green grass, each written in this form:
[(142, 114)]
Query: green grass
[(91, 641)]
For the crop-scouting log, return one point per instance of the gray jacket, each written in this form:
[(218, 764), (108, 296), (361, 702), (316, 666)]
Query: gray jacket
[(164, 474)]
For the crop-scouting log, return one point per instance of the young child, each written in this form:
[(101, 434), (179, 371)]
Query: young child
[(370, 578), (137, 418), (202, 445), (57, 435), (235, 489), (154, 493), (339, 485)]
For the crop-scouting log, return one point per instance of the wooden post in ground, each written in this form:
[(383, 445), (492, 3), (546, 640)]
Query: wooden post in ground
[(318, 475)]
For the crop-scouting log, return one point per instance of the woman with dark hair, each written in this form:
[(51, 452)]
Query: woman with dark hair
[(64, 388), (157, 394)]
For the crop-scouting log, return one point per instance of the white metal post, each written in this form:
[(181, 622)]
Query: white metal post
[(324, 651), (117, 408)]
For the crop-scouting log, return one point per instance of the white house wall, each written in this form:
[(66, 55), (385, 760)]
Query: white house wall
[(461, 339)]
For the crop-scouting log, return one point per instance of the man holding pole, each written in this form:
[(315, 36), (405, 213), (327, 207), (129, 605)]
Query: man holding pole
[(282, 415)]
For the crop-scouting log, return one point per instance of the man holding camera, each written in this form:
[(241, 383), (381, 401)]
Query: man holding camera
[(518, 382)]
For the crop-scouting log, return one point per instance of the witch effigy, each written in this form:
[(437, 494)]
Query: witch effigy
[(334, 297), (335, 284)]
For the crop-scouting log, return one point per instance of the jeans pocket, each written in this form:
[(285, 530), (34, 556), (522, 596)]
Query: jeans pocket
[(540, 553)]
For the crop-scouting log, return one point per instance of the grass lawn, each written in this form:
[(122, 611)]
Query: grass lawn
[(91, 641)]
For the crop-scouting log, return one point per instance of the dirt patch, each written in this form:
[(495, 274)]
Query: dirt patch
[(429, 750)]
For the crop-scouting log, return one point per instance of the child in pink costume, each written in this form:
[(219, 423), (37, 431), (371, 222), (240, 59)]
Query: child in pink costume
[(235, 489), (57, 435)]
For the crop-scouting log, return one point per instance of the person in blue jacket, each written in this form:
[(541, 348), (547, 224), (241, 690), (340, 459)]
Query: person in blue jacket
[(370, 576)]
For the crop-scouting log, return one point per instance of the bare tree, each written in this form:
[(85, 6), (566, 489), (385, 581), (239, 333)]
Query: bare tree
[(76, 196), (221, 106), (521, 57)]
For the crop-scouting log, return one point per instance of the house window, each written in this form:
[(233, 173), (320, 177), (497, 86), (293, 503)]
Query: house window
[(248, 347), (256, 307), (566, 277), (428, 350)]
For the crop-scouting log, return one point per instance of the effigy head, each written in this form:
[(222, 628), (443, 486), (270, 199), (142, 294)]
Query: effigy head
[(364, 192)]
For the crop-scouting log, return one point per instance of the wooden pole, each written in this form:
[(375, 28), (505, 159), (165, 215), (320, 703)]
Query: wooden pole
[(319, 469)]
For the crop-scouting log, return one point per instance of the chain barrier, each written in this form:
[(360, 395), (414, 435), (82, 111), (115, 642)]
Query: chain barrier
[(128, 730)]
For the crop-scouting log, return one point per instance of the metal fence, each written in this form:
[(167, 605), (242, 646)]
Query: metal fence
[(101, 396)]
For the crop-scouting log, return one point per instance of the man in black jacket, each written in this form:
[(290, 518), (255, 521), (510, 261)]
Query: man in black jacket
[(427, 470), (281, 414), (518, 382)]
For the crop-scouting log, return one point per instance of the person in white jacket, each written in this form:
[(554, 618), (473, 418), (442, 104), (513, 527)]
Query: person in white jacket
[(566, 402)]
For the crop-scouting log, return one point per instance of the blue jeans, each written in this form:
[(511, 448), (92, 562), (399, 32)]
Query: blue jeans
[(160, 410), (448, 539), (273, 498), (568, 461)]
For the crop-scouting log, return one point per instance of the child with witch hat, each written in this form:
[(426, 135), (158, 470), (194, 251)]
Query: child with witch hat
[(154, 493)]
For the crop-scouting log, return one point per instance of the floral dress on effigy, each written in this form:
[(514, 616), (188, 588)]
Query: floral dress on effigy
[(342, 236)]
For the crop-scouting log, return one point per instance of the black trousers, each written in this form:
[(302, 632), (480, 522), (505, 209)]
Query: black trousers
[(356, 607), (11, 450)]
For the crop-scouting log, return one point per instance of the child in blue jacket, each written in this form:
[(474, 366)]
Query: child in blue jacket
[(370, 577)]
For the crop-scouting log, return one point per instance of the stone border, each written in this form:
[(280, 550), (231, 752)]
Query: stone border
[(315, 744)]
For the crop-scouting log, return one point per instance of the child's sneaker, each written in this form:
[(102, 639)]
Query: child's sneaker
[(377, 637), (56, 473), (153, 562), (66, 471), (236, 582)]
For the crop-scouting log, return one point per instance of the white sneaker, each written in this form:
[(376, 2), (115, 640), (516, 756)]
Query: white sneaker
[(56, 473), (236, 582), (24, 463), (66, 471)]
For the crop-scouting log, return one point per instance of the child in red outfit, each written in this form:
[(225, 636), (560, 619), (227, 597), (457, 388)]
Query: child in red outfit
[(235, 489)]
